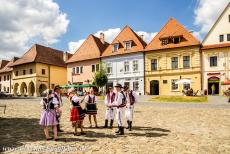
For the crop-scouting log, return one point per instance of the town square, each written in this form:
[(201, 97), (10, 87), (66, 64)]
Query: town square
[(157, 84)]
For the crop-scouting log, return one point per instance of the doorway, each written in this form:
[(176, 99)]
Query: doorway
[(213, 83), (154, 87)]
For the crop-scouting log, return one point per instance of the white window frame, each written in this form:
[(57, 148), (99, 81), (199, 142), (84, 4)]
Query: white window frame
[(116, 47), (128, 45), (109, 65), (126, 62), (174, 80), (135, 66)]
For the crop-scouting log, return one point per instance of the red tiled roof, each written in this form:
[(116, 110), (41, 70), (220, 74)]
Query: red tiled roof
[(90, 49), (41, 54), (3, 63), (7, 68), (172, 29), (127, 34), (222, 45)]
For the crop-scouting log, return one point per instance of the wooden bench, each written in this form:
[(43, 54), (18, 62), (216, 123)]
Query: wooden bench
[(3, 106)]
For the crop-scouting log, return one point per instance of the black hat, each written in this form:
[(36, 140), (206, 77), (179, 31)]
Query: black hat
[(118, 85), (57, 87)]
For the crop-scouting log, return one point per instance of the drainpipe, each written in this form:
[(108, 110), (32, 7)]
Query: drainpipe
[(49, 76)]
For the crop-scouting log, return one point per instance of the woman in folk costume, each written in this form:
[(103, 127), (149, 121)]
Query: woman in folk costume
[(58, 101), (48, 115), (131, 98), (91, 107), (110, 111), (76, 114)]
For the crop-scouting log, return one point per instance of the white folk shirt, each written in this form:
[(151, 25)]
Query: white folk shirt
[(56, 101), (91, 96), (118, 99), (128, 99), (109, 102)]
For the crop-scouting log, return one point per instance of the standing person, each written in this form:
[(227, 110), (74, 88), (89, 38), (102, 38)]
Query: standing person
[(91, 107), (77, 114), (213, 89), (48, 115), (58, 101), (131, 98), (119, 103), (110, 111)]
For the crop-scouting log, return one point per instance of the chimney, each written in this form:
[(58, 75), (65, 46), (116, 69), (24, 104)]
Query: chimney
[(142, 36), (102, 38), (65, 56)]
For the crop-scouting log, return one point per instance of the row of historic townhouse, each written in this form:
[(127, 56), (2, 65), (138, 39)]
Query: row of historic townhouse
[(154, 68)]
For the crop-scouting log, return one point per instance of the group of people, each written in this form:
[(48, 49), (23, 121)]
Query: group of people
[(119, 101)]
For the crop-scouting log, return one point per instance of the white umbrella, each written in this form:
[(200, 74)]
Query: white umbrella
[(184, 81)]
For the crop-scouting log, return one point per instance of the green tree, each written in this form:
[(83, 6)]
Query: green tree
[(100, 78)]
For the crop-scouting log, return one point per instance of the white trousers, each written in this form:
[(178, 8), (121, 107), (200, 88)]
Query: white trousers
[(129, 113), (110, 114), (120, 116)]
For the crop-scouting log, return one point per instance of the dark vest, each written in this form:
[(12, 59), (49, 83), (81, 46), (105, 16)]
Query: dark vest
[(91, 100), (112, 98), (48, 104)]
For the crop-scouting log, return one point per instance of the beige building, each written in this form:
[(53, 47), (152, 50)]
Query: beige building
[(172, 55), (81, 67), (216, 55), (38, 69)]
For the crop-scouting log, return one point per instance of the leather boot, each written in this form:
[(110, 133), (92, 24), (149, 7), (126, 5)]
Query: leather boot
[(130, 126), (111, 124), (118, 131), (58, 128), (121, 131), (106, 124), (127, 124)]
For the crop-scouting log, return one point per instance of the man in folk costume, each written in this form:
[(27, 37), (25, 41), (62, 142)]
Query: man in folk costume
[(131, 98), (110, 111), (119, 103), (58, 101)]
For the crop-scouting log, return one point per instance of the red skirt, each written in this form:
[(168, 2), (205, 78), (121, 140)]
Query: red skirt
[(74, 115)]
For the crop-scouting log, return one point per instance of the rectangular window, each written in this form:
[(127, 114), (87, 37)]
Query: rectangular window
[(97, 67), (213, 61), (135, 65), (186, 61), (31, 71), (165, 81), (43, 71), (221, 37), (4, 78), (8, 89), (126, 84), (77, 70), (126, 65), (164, 42), (115, 47), (81, 69), (8, 77), (135, 85), (16, 73), (174, 85), (176, 40), (153, 64), (128, 45), (93, 68), (109, 68), (24, 72), (0, 78), (174, 62), (228, 37)]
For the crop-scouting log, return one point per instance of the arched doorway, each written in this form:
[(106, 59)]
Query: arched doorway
[(23, 88), (42, 88), (154, 87), (213, 84), (31, 89), (16, 85)]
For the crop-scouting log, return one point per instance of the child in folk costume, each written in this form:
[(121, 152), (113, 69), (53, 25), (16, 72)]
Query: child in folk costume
[(58, 101), (131, 98), (119, 103), (110, 111), (77, 114), (48, 115), (91, 107)]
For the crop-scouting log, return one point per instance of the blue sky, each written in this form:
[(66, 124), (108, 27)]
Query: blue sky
[(64, 24)]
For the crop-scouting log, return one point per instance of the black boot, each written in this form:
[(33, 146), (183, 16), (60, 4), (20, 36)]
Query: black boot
[(127, 124), (118, 131), (130, 126), (121, 131), (58, 128), (111, 124), (106, 124)]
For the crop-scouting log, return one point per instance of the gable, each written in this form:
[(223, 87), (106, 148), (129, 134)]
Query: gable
[(126, 35), (220, 27), (172, 31)]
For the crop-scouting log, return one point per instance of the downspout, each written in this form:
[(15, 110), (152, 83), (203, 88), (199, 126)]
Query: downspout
[(49, 76)]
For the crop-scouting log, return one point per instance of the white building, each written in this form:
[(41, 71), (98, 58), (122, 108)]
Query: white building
[(124, 60), (216, 54)]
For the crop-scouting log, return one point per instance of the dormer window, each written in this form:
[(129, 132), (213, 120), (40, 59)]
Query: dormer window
[(176, 40), (115, 47), (164, 41), (128, 45)]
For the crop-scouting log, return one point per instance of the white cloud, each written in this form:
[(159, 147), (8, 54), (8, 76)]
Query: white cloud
[(197, 35), (110, 34), (206, 13), (26, 22)]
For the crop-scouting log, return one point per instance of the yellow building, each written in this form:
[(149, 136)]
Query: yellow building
[(38, 69), (172, 55)]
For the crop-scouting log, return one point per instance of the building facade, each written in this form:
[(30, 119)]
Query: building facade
[(40, 68), (124, 60), (216, 54), (85, 62), (172, 55)]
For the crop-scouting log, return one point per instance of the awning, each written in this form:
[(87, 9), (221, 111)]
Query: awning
[(184, 81), (78, 86), (226, 82)]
